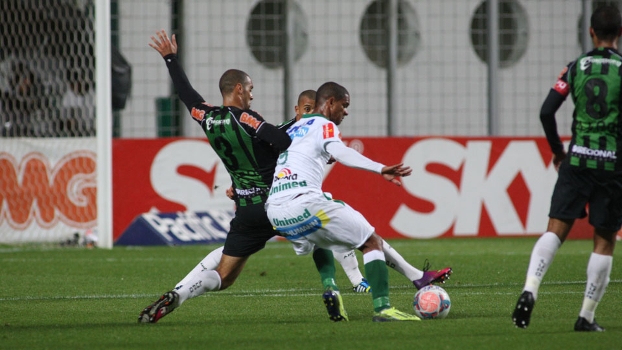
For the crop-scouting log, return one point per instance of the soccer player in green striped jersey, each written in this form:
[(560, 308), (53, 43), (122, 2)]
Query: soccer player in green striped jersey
[(590, 172), (248, 147)]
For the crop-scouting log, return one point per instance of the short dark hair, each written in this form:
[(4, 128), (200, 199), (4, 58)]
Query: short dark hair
[(310, 94), (606, 22), (328, 90), (230, 79)]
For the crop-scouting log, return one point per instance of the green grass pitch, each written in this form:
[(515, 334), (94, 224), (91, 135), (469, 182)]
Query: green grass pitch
[(76, 298)]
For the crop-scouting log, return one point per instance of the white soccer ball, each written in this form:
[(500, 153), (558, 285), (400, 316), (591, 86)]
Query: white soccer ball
[(431, 302)]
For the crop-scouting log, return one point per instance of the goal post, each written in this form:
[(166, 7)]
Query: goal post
[(104, 123)]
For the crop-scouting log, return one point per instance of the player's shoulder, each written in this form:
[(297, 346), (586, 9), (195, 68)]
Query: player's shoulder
[(200, 110), (615, 54), (563, 74), (249, 117), (285, 125), (315, 119), (322, 126), (249, 113)]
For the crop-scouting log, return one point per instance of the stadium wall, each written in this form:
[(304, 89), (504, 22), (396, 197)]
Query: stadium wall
[(441, 87)]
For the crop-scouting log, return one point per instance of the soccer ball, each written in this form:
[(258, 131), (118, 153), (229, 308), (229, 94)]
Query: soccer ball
[(432, 302)]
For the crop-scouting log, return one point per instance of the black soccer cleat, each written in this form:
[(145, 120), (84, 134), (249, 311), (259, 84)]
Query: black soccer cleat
[(523, 309), (159, 308), (582, 325)]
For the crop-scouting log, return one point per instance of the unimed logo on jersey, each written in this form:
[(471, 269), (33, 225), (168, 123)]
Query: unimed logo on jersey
[(35, 190), (302, 225)]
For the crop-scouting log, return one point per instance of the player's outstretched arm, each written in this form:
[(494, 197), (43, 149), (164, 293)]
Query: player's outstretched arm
[(167, 48), (351, 158), (278, 138)]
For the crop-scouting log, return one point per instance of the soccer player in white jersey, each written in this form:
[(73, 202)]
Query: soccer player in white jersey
[(348, 260), (312, 221)]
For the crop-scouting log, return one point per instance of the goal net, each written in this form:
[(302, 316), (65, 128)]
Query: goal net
[(48, 148)]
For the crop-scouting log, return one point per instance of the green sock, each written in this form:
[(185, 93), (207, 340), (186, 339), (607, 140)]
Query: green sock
[(378, 277), (325, 264)]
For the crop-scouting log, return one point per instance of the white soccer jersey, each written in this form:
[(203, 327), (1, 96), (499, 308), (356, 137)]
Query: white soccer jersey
[(314, 218), (300, 169)]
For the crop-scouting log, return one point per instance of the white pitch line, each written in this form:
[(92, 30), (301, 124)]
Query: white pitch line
[(310, 292)]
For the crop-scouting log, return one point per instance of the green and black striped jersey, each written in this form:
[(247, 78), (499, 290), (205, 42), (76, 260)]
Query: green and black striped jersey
[(249, 160), (247, 145), (594, 82)]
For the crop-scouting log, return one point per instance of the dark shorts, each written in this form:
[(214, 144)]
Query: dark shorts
[(250, 229), (577, 187)]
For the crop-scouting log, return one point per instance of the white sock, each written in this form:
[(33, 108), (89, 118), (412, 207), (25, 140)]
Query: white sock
[(373, 255), (205, 281), (598, 272), (210, 262), (399, 264), (350, 266), (541, 258)]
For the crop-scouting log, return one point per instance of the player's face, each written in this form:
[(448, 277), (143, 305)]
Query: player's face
[(339, 109), (247, 93), (305, 106)]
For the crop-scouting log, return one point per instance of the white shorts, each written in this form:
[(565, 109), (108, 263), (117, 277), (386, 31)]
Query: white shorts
[(315, 220)]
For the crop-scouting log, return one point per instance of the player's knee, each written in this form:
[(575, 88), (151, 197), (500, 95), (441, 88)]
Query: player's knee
[(374, 242)]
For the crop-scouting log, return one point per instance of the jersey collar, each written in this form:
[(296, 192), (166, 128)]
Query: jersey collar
[(314, 115)]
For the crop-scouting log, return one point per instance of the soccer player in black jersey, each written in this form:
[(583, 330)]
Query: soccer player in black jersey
[(248, 147), (590, 173)]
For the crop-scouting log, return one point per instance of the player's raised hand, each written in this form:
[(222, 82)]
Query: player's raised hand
[(163, 44), (392, 172)]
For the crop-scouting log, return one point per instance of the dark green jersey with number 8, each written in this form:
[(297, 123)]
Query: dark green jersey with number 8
[(594, 80)]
